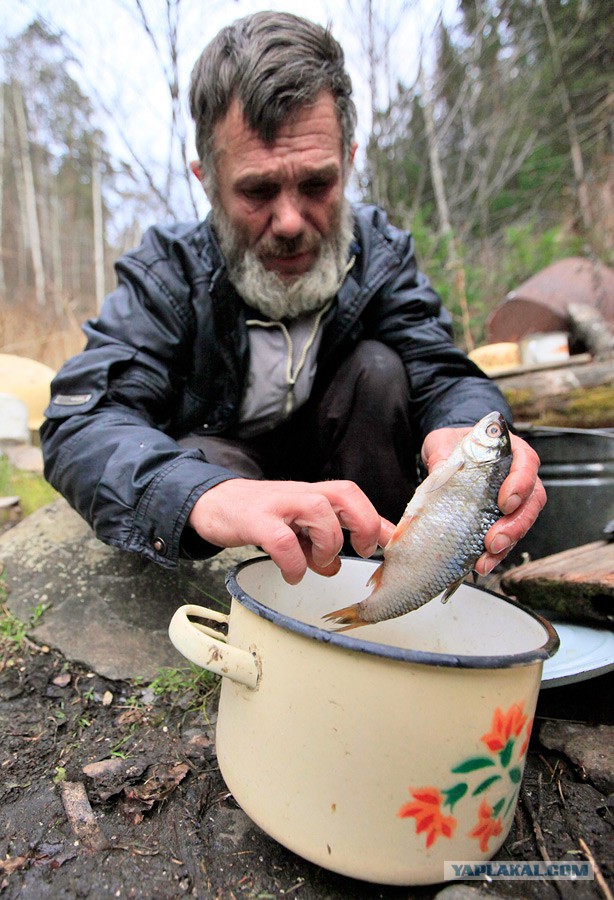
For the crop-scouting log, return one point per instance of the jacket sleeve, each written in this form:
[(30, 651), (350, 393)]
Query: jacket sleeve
[(447, 389), (103, 441)]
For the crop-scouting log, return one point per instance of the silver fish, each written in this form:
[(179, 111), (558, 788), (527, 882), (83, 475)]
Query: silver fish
[(441, 533)]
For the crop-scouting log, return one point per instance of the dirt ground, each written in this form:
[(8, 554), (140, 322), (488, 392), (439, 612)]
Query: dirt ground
[(109, 789)]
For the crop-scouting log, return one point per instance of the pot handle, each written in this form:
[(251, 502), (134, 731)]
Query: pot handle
[(209, 648)]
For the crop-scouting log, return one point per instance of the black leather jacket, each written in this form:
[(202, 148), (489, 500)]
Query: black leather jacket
[(169, 354)]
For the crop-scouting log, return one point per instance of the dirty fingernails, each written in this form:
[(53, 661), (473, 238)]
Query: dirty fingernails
[(500, 543), (511, 504)]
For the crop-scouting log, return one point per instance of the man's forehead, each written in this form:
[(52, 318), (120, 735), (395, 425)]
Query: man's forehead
[(313, 126)]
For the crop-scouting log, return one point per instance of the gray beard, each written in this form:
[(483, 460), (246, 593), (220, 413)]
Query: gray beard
[(265, 291)]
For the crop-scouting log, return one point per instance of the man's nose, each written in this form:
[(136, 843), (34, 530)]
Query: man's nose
[(287, 219)]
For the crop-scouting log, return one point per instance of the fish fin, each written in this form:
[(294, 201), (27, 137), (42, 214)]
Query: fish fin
[(433, 482), (451, 588), (346, 618), (376, 579), (403, 525), (349, 616), (442, 474)]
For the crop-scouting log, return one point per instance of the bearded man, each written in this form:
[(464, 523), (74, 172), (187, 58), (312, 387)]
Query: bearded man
[(270, 376)]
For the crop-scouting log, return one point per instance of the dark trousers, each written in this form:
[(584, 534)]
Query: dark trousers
[(358, 428)]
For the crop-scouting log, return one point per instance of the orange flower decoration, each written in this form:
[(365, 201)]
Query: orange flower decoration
[(427, 811), (504, 725), (487, 827)]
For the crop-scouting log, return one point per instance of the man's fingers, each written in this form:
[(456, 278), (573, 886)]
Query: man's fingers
[(320, 523), (356, 513), (306, 532), (521, 482), (511, 528), (307, 547), (284, 548), (507, 531), (298, 524)]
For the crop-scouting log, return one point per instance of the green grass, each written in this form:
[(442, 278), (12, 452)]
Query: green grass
[(182, 681), (13, 631), (32, 489), (190, 688)]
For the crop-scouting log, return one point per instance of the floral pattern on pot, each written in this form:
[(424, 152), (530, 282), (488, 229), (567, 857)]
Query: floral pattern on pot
[(496, 774)]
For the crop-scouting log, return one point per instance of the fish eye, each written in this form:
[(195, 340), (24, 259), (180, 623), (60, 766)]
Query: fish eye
[(493, 430)]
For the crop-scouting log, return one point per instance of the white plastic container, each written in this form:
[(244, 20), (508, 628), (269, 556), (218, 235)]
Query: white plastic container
[(542, 349)]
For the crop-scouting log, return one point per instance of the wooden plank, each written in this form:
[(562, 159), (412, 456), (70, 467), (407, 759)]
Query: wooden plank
[(590, 564), (578, 359), (574, 585), (578, 396)]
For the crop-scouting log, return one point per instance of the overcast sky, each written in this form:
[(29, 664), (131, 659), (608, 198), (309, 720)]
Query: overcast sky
[(117, 60)]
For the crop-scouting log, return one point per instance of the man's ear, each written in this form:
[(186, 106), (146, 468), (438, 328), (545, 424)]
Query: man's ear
[(196, 169), (350, 163)]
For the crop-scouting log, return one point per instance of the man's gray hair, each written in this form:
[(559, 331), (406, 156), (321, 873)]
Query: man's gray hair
[(273, 64)]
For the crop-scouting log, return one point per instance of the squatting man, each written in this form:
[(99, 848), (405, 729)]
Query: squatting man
[(270, 375)]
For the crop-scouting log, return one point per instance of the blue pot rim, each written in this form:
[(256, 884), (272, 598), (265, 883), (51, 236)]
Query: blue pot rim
[(421, 657)]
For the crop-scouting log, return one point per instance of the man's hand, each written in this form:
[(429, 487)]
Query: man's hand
[(296, 523), (521, 498)]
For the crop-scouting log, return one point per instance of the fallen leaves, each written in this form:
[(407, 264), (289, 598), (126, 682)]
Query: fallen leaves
[(160, 783), (114, 776), (8, 866), (111, 776)]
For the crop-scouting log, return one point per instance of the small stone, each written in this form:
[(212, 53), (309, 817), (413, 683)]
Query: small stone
[(464, 892), (591, 747)]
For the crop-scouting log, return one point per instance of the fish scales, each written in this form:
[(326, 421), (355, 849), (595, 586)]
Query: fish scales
[(441, 534), (446, 542)]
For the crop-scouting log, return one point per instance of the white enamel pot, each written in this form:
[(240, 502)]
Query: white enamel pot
[(383, 752)]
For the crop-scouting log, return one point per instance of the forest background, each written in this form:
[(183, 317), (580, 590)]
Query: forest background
[(487, 129)]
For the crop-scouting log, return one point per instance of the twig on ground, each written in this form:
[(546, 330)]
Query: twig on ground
[(537, 830), (607, 893), (81, 816)]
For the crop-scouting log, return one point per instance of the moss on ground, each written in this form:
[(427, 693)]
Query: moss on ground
[(32, 489)]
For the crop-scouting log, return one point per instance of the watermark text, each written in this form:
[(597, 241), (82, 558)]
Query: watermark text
[(530, 870)]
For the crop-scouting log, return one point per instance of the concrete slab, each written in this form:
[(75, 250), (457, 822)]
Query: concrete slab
[(104, 608)]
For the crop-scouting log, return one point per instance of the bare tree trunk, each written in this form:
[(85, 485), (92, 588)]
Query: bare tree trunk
[(22, 234), (56, 253), (98, 228), (443, 211), (29, 195), (2, 159), (171, 73), (434, 158), (43, 209), (376, 186), (570, 121)]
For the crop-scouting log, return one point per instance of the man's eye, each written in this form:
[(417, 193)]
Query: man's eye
[(315, 187), (260, 192)]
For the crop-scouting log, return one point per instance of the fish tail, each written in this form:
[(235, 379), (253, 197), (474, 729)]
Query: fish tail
[(346, 618)]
